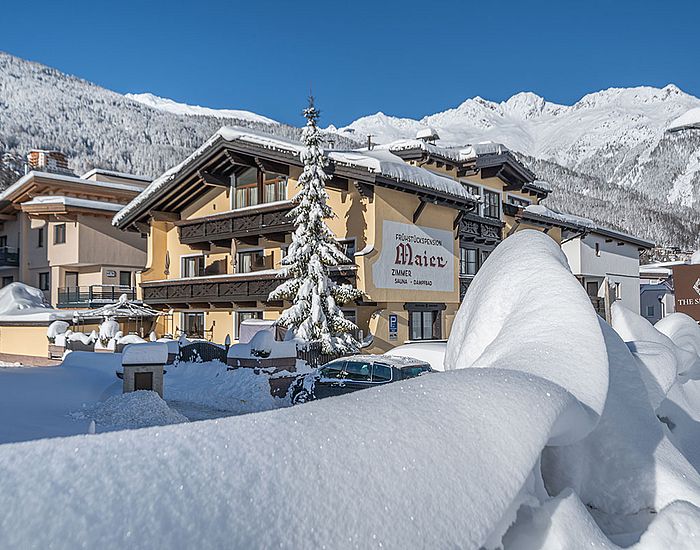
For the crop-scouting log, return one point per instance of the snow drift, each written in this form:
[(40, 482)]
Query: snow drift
[(541, 435)]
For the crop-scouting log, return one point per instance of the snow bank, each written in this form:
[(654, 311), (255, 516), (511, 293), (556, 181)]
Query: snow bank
[(140, 409), (526, 296), (239, 391), (56, 328), (540, 434)]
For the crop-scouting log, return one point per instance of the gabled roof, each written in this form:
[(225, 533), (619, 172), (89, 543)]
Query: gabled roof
[(231, 148), (492, 159)]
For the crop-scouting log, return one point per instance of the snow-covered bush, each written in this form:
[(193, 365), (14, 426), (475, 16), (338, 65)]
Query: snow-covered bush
[(56, 328), (108, 330)]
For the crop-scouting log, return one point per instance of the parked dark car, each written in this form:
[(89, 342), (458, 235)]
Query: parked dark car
[(349, 374)]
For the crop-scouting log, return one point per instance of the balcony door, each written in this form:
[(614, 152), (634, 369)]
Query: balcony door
[(71, 279)]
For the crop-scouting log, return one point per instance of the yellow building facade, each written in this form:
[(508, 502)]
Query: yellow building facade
[(217, 230)]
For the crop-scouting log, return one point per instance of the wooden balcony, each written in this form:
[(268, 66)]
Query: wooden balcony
[(480, 230), (246, 224), (221, 290)]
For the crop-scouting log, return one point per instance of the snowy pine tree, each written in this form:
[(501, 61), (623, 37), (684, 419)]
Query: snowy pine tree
[(315, 314)]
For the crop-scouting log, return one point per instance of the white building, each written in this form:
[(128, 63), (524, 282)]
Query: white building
[(599, 255)]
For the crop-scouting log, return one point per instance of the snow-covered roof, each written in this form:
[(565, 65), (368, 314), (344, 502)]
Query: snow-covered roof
[(387, 164), (72, 201), (583, 224), (688, 120), (373, 162), (114, 174), (122, 308), (20, 183)]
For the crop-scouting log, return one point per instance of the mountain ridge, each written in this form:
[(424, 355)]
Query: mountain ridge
[(616, 144)]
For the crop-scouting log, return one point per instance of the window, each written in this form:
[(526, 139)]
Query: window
[(412, 372), (347, 246), (274, 187), (474, 190), (491, 205), (468, 264), (244, 316), (381, 373), (253, 260), (193, 324), (7, 280), (517, 201), (44, 281), (192, 266), (59, 233), (125, 278), (484, 254), (40, 237), (3, 241), (424, 325), (358, 371), (334, 369), (246, 189), (650, 311)]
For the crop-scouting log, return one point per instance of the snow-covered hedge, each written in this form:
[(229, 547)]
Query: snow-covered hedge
[(541, 435)]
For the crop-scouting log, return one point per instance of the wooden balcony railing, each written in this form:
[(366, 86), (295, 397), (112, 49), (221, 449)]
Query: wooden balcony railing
[(263, 219), (479, 229), (221, 289)]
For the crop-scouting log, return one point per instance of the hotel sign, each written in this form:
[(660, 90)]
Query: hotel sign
[(686, 286), (415, 258)]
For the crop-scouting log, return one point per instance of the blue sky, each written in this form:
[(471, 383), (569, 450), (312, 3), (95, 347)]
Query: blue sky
[(403, 58)]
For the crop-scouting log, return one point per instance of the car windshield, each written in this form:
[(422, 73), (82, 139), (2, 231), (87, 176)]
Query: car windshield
[(412, 372), (334, 369), (358, 371)]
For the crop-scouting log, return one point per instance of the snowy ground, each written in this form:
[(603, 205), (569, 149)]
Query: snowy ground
[(549, 429), (40, 402)]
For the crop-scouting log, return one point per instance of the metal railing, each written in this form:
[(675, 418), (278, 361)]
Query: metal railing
[(93, 296), (9, 256)]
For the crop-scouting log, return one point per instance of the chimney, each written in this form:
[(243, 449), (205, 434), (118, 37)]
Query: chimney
[(48, 161), (370, 145)]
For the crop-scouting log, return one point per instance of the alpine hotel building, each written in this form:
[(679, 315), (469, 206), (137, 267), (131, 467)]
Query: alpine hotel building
[(418, 220)]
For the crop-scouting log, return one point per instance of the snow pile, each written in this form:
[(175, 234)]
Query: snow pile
[(540, 435), (139, 409), (432, 353), (263, 346), (149, 353), (20, 302), (239, 391), (129, 339)]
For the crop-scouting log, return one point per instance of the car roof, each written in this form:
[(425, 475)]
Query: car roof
[(397, 361)]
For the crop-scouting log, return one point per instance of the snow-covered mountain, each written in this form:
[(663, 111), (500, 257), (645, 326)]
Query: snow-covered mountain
[(174, 107), (41, 107), (607, 157), (618, 135)]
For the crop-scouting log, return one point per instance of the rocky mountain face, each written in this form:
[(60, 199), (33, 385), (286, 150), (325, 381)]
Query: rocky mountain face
[(607, 157)]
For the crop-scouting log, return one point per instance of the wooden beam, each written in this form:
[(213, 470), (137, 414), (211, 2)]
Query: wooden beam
[(419, 210), (272, 166), (160, 216), (241, 160), (458, 219), (213, 180)]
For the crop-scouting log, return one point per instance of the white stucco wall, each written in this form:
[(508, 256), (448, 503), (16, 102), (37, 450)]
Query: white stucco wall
[(619, 263)]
